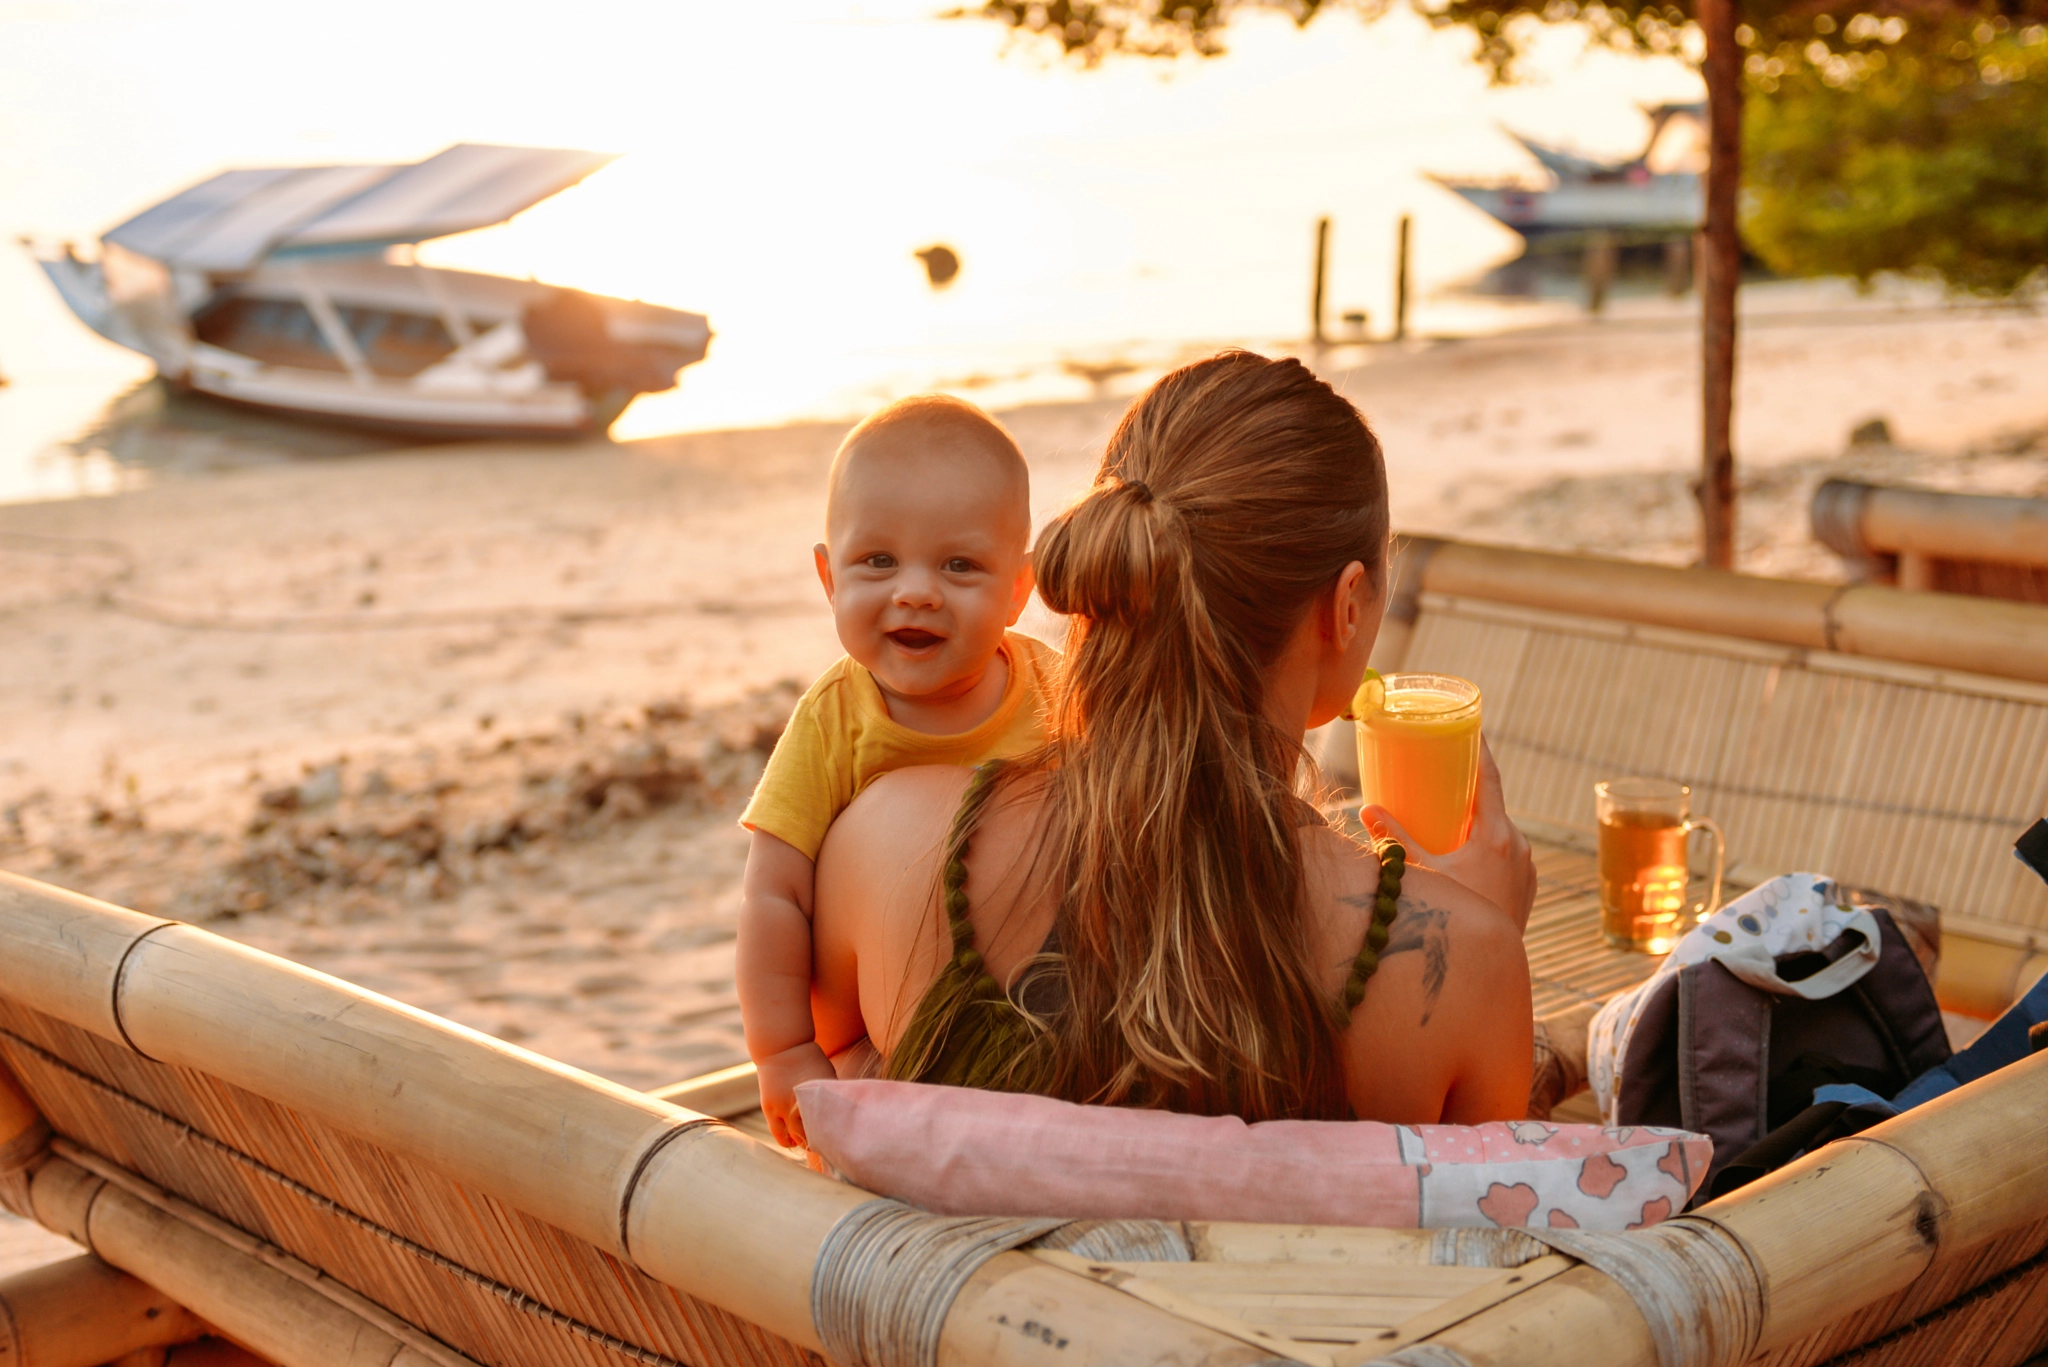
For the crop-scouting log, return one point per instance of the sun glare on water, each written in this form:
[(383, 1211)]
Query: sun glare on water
[(780, 166)]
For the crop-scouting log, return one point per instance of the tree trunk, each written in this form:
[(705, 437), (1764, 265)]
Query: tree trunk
[(1720, 265)]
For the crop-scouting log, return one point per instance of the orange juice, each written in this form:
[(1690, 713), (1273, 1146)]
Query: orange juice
[(1418, 754)]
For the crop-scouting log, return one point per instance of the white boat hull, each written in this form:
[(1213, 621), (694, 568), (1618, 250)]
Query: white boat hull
[(485, 377), (397, 406), (1659, 204)]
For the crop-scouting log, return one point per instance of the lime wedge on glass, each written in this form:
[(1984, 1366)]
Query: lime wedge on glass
[(1371, 697)]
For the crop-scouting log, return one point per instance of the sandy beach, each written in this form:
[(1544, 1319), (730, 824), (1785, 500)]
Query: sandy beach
[(469, 724)]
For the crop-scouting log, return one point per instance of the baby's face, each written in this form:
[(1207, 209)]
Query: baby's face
[(926, 561)]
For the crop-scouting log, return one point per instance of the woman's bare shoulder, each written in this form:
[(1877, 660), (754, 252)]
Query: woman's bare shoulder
[(1442, 1031), (1344, 874), (904, 797)]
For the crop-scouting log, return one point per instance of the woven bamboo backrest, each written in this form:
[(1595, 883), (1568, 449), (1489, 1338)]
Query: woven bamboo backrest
[(1898, 777), (497, 1285)]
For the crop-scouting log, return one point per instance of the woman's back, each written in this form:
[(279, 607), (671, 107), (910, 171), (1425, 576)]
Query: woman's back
[(1441, 1034)]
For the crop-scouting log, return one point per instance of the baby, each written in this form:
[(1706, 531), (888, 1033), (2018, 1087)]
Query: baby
[(926, 563)]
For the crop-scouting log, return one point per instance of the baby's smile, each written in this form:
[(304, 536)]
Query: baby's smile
[(915, 640)]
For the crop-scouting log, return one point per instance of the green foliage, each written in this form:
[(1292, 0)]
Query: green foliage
[(1088, 32), (1926, 158), (1785, 31)]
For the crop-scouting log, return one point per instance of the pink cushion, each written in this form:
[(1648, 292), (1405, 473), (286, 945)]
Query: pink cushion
[(964, 1152)]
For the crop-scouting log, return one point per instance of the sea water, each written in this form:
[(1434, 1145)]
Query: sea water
[(781, 165)]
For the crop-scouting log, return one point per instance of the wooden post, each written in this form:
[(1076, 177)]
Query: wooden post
[(1720, 264), (1600, 254), (1401, 279), (1315, 308), (1678, 266)]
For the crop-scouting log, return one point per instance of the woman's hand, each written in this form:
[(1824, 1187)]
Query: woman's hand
[(1494, 861)]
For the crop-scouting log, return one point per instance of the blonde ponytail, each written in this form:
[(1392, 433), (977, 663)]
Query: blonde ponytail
[(1232, 495)]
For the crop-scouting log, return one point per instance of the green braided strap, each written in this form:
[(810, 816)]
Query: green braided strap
[(1393, 863)]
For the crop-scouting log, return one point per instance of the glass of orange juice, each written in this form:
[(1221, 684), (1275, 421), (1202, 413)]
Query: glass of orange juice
[(1418, 753)]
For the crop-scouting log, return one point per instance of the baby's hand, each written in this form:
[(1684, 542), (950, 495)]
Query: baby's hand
[(779, 1075)]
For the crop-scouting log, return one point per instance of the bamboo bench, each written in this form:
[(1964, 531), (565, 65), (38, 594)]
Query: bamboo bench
[(326, 1176)]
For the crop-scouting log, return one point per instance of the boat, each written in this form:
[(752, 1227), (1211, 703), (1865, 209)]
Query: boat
[(251, 1149), (1653, 196), (296, 289)]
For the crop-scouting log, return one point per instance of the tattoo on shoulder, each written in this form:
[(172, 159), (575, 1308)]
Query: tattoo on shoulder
[(1425, 928), (1417, 927)]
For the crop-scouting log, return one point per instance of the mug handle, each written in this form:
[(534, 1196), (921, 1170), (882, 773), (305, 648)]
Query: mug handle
[(1713, 903)]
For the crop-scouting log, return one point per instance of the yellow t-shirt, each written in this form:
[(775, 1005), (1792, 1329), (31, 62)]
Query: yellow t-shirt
[(841, 738)]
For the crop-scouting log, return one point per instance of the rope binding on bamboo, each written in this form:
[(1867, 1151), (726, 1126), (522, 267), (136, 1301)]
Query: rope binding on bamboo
[(1698, 1292), (887, 1275)]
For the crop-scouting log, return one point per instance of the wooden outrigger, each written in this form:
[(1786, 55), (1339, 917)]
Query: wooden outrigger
[(326, 1176)]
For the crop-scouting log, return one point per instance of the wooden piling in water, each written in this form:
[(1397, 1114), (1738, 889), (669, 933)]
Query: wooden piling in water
[(1315, 308), (1401, 240)]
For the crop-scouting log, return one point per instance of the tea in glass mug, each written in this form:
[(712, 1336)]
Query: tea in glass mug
[(1644, 823), (1418, 753)]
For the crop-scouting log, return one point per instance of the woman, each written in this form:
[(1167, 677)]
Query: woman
[(1145, 913)]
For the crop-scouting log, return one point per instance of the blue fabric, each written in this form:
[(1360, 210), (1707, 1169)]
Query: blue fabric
[(2005, 1042)]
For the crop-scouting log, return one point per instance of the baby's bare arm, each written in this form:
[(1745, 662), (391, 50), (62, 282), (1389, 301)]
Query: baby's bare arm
[(774, 974)]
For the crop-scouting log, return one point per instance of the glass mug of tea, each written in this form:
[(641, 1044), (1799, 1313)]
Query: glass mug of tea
[(1644, 823), (1418, 753)]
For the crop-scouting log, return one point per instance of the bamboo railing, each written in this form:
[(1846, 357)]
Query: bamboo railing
[(1927, 539), (1891, 738), (1944, 631), (691, 1204)]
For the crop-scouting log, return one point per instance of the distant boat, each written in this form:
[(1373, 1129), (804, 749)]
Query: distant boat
[(1652, 196), (280, 288)]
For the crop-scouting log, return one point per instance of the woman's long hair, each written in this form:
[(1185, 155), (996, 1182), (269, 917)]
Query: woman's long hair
[(1231, 497)]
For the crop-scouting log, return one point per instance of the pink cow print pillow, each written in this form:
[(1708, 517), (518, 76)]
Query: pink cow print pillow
[(964, 1152)]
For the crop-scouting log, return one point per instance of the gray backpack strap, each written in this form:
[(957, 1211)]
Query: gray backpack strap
[(1723, 1058)]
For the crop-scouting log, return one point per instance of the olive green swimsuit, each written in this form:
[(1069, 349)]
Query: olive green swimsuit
[(968, 1032)]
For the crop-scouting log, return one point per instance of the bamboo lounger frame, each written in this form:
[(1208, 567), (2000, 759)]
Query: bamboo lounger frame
[(1983, 544), (327, 1176)]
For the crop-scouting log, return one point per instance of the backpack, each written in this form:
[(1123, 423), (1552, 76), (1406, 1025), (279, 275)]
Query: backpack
[(1798, 984)]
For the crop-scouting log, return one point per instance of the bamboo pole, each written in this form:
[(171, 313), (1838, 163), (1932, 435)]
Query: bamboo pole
[(272, 1314), (23, 1137), (82, 1312), (1856, 519), (695, 1205), (1949, 630), (1660, 595), (1721, 267), (212, 1352), (560, 1144), (64, 951), (1946, 631), (723, 1094)]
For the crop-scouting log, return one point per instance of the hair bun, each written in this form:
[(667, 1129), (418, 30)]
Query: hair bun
[(1115, 556)]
